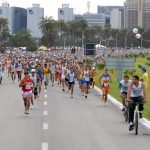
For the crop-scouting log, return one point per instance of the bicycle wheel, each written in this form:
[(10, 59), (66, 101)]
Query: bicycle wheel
[(136, 123), (126, 116)]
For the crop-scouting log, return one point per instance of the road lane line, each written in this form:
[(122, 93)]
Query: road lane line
[(45, 95), (45, 126), (45, 103), (45, 113), (45, 91), (44, 146)]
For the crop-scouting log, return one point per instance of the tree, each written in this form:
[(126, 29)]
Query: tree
[(4, 33), (48, 27), (23, 39)]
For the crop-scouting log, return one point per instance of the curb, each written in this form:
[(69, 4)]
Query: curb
[(143, 121)]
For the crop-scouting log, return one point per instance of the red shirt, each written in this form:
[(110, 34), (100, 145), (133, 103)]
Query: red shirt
[(29, 85)]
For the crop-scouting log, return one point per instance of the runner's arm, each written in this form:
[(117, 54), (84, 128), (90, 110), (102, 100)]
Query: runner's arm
[(129, 92), (22, 83)]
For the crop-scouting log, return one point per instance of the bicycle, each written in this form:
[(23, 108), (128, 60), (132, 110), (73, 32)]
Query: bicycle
[(136, 115), (126, 112)]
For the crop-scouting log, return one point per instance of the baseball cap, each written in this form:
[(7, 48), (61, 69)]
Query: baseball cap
[(144, 69)]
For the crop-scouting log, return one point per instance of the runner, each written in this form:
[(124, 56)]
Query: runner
[(105, 80), (52, 71), (13, 71), (9, 66), (19, 69), (64, 72), (27, 85), (40, 74), (71, 82), (46, 74), (92, 77), (86, 77), (35, 78)]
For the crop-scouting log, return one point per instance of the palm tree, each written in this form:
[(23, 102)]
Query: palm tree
[(4, 33), (48, 27)]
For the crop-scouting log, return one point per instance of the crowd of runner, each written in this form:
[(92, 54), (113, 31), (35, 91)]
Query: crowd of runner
[(37, 70)]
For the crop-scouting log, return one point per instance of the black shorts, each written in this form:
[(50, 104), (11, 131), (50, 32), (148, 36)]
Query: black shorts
[(137, 99), (35, 91), (91, 80), (71, 83), (66, 79)]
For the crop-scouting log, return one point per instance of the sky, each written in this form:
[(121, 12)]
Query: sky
[(51, 6)]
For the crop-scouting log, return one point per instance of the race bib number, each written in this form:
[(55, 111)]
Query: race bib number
[(28, 86), (106, 84)]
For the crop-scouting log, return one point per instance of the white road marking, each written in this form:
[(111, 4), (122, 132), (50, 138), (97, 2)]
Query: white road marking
[(45, 103), (45, 113), (45, 95), (44, 146), (45, 126), (45, 91)]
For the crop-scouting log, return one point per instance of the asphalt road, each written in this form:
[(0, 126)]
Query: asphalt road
[(61, 123)]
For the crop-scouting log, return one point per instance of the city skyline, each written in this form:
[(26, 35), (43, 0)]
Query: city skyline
[(52, 10)]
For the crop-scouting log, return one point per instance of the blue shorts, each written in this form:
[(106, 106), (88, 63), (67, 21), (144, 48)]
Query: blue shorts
[(87, 82), (81, 82), (52, 73)]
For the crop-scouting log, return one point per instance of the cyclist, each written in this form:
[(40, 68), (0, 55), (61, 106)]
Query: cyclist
[(123, 89), (136, 93), (27, 85), (105, 80)]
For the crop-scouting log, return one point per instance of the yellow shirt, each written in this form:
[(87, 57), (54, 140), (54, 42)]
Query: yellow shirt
[(46, 72), (145, 79)]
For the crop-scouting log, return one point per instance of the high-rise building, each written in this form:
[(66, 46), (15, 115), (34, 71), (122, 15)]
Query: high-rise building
[(16, 17), (137, 13), (65, 13), (19, 19), (115, 19), (34, 16), (94, 19), (106, 11)]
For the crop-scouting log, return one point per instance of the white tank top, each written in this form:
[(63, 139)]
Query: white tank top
[(137, 91), (86, 76), (34, 78)]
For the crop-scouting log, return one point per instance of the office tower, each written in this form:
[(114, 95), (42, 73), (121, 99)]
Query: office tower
[(65, 13), (34, 16)]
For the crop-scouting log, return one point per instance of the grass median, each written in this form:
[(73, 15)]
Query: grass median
[(140, 61)]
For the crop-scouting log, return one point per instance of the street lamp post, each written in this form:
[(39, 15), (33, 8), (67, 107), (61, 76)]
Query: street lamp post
[(126, 38), (117, 39), (83, 37), (142, 37), (135, 31)]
